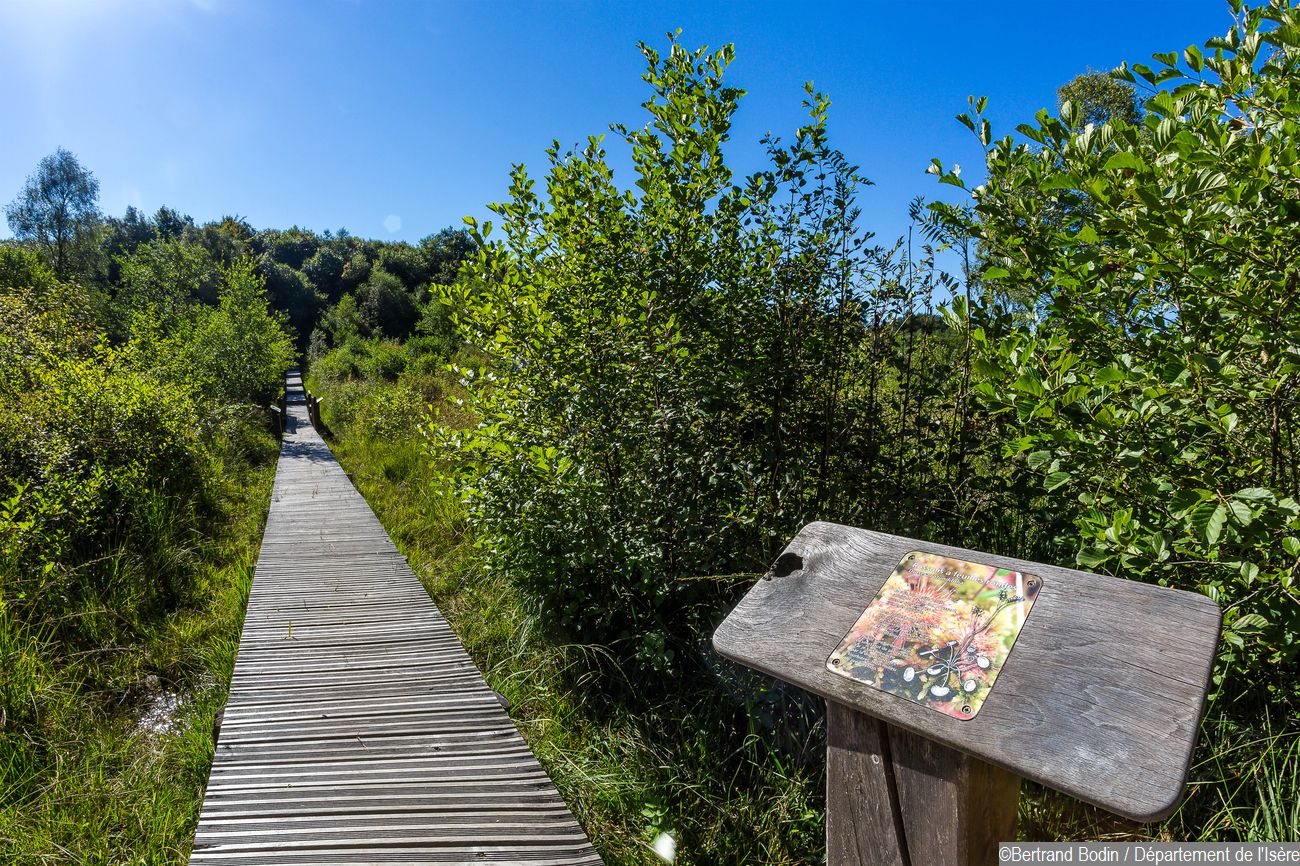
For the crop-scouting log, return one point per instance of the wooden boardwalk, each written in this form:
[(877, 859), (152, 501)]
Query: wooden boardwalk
[(357, 729)]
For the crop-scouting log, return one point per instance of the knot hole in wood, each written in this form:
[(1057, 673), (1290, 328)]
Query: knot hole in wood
[(785, 564)]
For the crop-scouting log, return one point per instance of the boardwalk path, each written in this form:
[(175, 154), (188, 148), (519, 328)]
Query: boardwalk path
[(357, 729)]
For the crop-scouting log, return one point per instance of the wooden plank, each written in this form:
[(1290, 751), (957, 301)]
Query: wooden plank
[(1101, 697), (863, 827), (955, 809), (357, 729)]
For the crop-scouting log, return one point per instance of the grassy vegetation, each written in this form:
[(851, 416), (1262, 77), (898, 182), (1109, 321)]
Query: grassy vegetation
[(114, 773), (632, 759), (729, 765), (133, 482)]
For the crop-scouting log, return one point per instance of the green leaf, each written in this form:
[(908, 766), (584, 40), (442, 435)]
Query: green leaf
[(1214, 526), (1030, 384), (1124, 160), (1291, 545), (1159, 546), (1055, 481), (1106, 375), (1241, 512), (1250, 622), (1039, 459), (1091, 557), (1255, 494)]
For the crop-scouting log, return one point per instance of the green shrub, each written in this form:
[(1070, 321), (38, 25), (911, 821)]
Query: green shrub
[(340, 364), (390, 410), (103, 460), (384, 360), (674, 380), (1154, 395)]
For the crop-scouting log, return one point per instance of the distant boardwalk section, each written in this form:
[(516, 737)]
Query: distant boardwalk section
[(358, 730)]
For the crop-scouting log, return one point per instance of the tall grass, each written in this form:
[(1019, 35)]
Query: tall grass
[(108, 763)]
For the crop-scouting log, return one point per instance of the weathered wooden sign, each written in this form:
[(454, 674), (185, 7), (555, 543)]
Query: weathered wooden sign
[(950, 674)]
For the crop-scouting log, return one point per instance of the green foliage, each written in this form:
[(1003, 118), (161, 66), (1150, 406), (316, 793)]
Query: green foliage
[(165, 276), (325, 270), (1096, 97), (119, 468), (290, 247), (56, 209), (290, 292), (105, 749), (385, 306), (678, 377), (242, 349), (1156, 396), (226, 241), (405, 262), (341, 324), (444, 252)]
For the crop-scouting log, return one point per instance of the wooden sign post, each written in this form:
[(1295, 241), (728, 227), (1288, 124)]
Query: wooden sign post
[(949, 675)]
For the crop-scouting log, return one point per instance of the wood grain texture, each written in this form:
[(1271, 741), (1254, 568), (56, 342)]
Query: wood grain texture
[(1101, 697), (955, 808), (357, 729), (863, 826), (896, 799)]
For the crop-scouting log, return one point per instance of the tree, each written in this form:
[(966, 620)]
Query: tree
[(325, 269), (341, 323), (291, 292), (386, 306), (1098, 97), (242, 348), (674, 374), (291, 246), (56, 208), (227, 239), (167, 275), (445, 251), (1156, 397), (406, 263), (171, 223)]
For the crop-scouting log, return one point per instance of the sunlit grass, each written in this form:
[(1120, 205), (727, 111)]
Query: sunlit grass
[(87, 782)]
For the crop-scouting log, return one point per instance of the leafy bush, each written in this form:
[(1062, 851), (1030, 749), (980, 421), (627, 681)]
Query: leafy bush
[(393, 409), (383, 360), (235, 353), (166, 276), (1155, 395), (104, 472), (676, 379)]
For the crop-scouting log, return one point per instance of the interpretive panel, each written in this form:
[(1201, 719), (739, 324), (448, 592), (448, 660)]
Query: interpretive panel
[(938, 632)]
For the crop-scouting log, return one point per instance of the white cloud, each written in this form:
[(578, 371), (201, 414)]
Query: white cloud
[(392, 223)]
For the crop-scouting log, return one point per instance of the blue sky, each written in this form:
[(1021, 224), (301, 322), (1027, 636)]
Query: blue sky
[(394, 119)]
